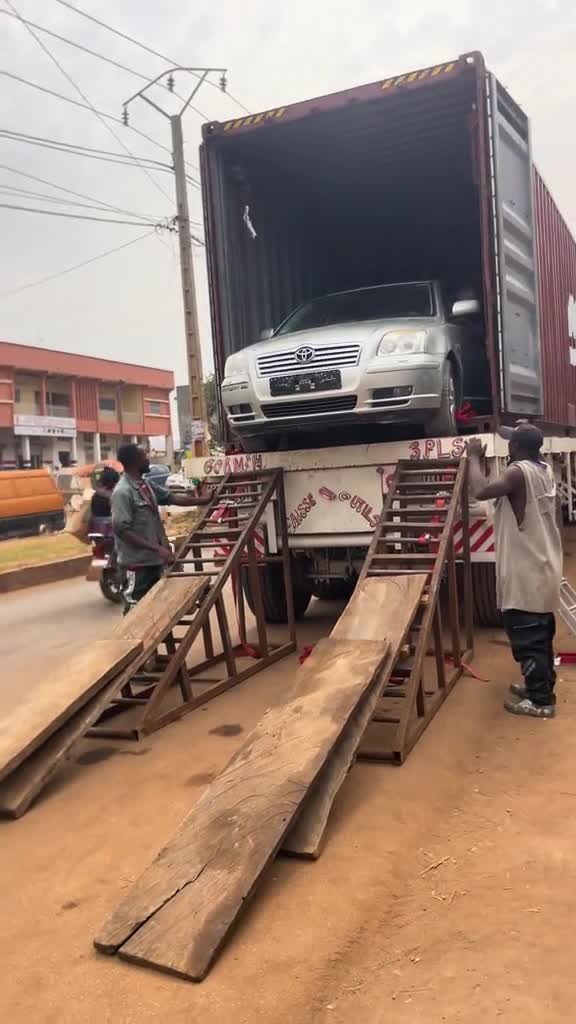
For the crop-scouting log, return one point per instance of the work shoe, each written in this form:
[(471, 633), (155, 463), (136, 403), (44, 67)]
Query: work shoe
[(518, 690), (528, 709)]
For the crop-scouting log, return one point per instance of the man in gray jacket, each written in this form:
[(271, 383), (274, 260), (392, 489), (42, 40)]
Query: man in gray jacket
[(528, 562), (141, 543)]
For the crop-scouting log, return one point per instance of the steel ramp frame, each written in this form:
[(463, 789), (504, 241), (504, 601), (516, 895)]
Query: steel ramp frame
[(215, 550), (415, 535)]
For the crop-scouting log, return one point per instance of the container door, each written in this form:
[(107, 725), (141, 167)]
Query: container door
[(515, 244)]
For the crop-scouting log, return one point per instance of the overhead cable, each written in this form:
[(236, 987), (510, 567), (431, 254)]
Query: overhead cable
[(76, 216), (70, 191), (76, 266), (143, 46), (71, 81)]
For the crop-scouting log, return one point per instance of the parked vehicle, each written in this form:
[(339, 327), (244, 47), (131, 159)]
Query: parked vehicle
[(423, 177), (30, 503), (403, 352), (104, 567), (158, 473)]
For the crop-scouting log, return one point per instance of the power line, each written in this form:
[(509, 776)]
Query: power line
[(92, 53), (71, 192), (76, 216), (76, 266), (83, 96), (143, 46), (83, 106), (74, 149), (28, 193)]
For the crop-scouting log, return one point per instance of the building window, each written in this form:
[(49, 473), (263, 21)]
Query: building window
[(155, 408), (16, 395), (106, 403), (57, 398)]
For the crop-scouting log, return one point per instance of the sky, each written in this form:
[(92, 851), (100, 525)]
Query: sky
[(128, 305)]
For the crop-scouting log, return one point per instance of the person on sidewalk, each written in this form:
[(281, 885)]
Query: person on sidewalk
[(528, 562), (141, 543)]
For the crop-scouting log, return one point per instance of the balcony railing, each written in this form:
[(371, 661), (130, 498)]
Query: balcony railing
[(58, 410)]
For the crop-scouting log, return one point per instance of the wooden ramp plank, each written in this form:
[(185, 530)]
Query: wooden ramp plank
[(44, 708), (178, 913), (153, 618), (377, 604), (160, 609), (21, 787)]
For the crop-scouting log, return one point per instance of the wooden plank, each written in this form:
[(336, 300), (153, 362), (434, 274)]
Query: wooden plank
[(377, 605), (169, 599), (41, 710), (179, 912), (161, 608), (21, 787)]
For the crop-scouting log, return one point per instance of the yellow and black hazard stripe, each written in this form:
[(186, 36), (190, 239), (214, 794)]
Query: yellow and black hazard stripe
[(254, 119), (419, 76)]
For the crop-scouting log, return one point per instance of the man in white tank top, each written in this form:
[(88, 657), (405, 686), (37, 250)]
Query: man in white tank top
[(528, 562)]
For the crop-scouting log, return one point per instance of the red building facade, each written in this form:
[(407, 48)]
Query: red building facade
[(59, 409)]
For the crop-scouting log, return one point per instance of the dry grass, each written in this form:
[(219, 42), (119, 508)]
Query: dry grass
[(22, 551)]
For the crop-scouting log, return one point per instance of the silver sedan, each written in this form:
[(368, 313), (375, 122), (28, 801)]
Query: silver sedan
[(384, 354)]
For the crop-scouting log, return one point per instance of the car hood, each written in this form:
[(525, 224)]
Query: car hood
[(335, 334)]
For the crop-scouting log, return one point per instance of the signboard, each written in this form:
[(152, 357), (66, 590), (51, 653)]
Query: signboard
[(44, 426)]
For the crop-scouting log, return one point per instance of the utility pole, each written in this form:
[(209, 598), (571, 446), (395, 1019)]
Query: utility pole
[(191, 329)]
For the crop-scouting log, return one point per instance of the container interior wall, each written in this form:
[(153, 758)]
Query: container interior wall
[(372, 193), (556, 250)]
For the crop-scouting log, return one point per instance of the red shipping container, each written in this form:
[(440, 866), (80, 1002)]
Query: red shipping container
[(556, 250)]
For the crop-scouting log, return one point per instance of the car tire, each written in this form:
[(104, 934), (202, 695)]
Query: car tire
[(443, 423), (273, 596)]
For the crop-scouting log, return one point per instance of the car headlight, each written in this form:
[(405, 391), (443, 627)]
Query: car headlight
[(235, 364), (400, 343)]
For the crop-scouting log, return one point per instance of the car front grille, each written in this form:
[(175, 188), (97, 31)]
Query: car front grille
[(324, 357), (310, 407)]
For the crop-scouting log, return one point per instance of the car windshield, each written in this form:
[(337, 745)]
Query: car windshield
[(385, 302)]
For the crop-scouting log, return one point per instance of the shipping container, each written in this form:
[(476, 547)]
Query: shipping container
[(426, 175)]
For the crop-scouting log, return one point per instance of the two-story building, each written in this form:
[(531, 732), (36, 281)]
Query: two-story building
[(58, 409)]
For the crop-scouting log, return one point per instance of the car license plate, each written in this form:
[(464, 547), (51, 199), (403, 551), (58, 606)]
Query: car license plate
[(306, 383)]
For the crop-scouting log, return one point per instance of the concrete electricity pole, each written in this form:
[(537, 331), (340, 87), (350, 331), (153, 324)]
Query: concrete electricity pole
[(193, 351)]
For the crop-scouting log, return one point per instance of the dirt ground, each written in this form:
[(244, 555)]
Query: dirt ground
[(446, 891)]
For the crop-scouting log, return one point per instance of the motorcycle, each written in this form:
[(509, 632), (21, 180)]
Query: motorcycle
[(104, 567)]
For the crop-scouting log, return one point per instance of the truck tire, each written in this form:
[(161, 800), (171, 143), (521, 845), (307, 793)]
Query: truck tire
[(484, 589), (273, 597), (443, 423), (333, 590)]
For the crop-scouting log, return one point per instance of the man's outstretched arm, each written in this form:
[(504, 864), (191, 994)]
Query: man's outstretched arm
[(509, 484)]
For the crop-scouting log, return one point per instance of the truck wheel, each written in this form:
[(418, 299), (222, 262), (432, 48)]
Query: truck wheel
[(333, 590), (484, 588), (273, 596), (443, 423)]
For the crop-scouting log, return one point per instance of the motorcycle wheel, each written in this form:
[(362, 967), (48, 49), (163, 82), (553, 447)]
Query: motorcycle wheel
[(111, 586)]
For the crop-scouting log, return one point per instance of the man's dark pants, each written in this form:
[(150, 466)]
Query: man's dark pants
[(137, 583), (531, 636)]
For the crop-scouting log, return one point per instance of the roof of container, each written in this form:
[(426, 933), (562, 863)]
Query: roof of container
[(411, 80)]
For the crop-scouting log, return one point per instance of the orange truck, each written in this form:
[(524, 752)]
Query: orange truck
[(30, 503)]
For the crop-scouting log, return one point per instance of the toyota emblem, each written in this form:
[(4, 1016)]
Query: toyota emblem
[(305, 354)]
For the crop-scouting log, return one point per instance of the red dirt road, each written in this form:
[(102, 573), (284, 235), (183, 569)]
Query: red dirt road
[(367, 934)]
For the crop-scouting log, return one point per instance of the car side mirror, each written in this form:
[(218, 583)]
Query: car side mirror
[(267, 333), (465, 307)]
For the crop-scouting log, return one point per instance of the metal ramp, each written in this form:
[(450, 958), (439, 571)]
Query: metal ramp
[(414, 536), (243, 509)]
